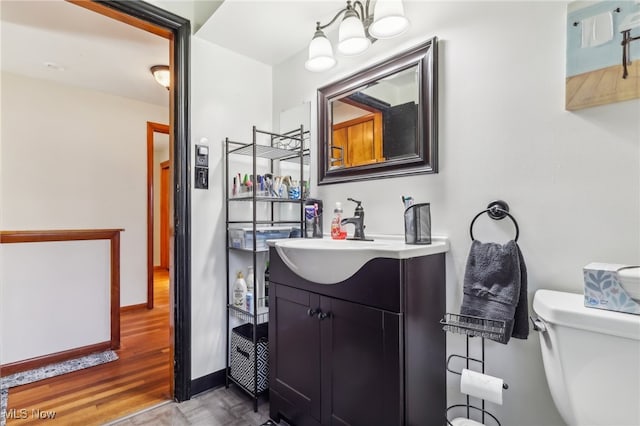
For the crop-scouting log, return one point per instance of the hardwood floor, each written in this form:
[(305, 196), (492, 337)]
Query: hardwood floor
[(137, 380)]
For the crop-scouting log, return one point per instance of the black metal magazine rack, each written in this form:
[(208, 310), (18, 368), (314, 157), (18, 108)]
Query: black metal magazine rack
[(247, 230)]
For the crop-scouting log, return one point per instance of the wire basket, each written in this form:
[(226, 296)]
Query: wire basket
[(475, 326)]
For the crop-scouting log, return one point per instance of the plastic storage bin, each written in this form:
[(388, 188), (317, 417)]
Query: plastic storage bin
[(242, 238), (242, 356)]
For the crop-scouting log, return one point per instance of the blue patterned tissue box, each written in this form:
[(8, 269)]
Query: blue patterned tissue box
[(603, 290)]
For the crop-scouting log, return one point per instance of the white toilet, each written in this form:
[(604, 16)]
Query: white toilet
[(591, 358)]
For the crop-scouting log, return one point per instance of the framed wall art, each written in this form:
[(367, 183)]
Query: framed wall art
[(603, 53)]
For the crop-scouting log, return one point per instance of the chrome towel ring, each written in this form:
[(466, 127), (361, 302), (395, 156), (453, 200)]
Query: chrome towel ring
[(496, 210)]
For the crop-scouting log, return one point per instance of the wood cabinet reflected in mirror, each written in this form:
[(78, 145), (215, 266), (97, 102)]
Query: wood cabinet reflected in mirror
[(377, 122), (380, 122)]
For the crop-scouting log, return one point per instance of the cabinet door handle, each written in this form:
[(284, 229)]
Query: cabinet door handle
[(311, 312), (323, 315)]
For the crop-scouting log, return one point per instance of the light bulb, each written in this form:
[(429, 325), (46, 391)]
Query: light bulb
[(388, 19), (351, 37), (320, 53)]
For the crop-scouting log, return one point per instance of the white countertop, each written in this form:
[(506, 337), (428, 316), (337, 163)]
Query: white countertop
[(327, 261)]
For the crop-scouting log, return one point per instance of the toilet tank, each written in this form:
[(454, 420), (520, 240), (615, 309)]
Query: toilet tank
[(591, 359)]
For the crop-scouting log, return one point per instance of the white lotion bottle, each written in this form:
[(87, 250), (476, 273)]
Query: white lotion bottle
[(239, 291)]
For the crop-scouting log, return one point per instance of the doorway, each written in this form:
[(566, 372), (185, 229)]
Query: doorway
[(178, 30), (165, 185), (158, 203)]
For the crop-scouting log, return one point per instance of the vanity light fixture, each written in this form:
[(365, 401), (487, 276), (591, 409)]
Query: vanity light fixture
[(162, 75), (358, 29)]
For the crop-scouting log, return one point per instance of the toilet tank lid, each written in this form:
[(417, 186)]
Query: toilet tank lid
[(567, 309)]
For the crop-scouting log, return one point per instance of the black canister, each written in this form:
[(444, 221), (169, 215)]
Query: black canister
[(417, 224)]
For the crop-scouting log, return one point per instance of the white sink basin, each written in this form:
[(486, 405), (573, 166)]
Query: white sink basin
[(327, 261)]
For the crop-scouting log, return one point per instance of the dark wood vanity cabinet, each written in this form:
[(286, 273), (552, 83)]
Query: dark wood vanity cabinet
[(366, 351)]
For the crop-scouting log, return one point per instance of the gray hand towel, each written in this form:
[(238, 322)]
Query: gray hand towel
[(495, 286), (521, 319)]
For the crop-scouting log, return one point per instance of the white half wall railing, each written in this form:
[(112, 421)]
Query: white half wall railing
[(59, 296)]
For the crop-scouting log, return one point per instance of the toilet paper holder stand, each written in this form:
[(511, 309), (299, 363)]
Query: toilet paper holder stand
[(471, 327), (459, 373)]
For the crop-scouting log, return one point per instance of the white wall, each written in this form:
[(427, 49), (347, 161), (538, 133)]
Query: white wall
[(56, 297), (572, 179), (76, 159), (230, 93)]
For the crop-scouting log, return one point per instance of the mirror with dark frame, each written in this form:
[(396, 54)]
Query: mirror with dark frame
[(382, 121)]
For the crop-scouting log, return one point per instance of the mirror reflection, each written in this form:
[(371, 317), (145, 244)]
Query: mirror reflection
[(377, 122), (381, 121)]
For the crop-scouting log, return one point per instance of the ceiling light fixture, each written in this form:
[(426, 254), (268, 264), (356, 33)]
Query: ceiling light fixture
[(162, 75), (358, 29)]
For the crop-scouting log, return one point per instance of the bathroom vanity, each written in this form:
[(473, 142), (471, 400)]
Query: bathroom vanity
[(367, 350)]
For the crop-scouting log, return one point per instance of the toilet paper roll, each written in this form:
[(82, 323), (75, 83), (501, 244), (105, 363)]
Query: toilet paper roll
[(481, 386), (461, 421)]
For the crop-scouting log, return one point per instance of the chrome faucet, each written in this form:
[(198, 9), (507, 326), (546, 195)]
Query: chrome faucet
[(357, 220)]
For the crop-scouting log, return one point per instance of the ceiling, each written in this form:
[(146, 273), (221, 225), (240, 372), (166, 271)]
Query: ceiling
[(268, 31), (59, 41)]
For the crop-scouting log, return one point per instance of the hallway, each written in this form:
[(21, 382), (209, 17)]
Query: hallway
[(137, 380)]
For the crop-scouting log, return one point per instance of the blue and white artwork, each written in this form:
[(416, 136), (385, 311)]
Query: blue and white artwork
[(603, 53)]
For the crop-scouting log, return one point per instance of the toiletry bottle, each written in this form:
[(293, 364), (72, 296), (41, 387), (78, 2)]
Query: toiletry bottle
[(249, 304), (337, 230), (266, 285), (309, 220), (250, 291), (250, 280), (239, 291), (313, 218)]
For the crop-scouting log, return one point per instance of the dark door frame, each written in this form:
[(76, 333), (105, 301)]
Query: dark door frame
[(178, 30)]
